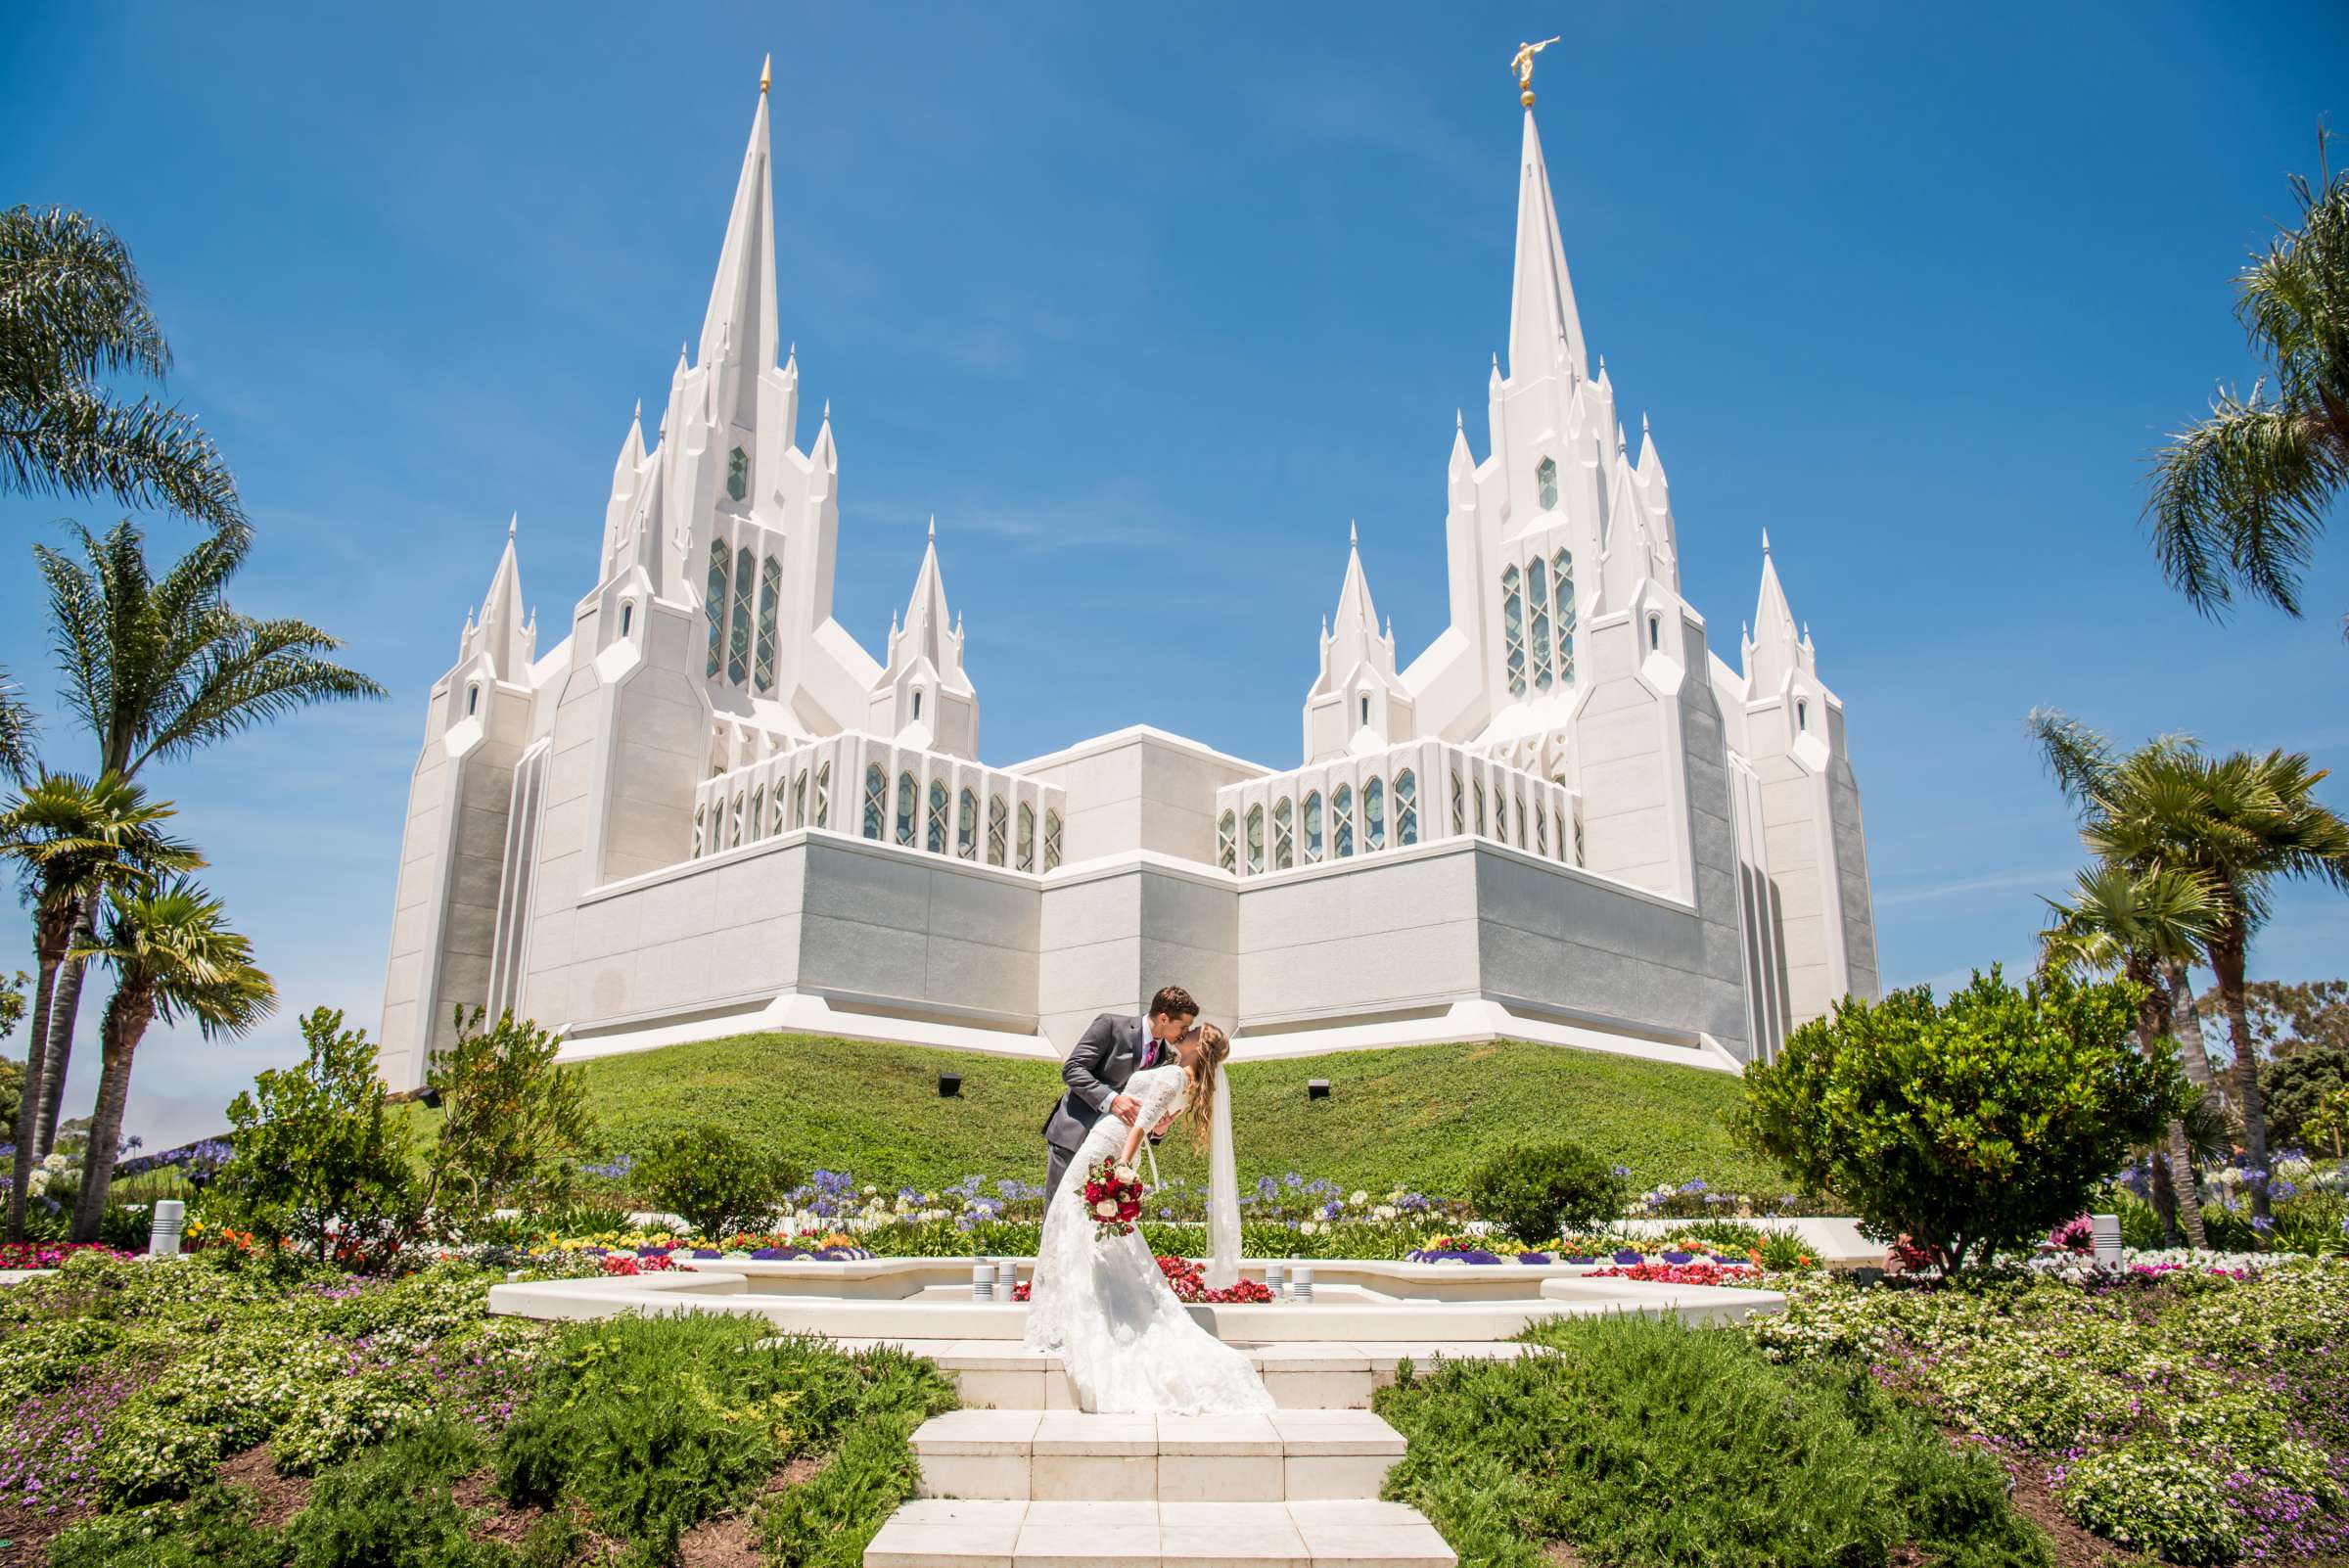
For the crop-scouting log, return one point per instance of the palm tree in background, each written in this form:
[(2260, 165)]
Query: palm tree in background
[(2140, 925), (160, 667), (72, 839), (174, 959), (73, 311), (2241, 498)]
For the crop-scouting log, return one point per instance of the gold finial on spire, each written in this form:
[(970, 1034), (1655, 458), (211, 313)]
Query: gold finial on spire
[(1522, 63), (766, 76)]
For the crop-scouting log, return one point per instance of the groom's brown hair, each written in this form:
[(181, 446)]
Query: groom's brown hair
[(1174, 1003)]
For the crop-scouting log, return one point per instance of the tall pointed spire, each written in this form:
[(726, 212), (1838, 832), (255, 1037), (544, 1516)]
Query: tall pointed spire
[(1544, 330), (741, 318), (501, 630), (1777, 646), (929, 627)]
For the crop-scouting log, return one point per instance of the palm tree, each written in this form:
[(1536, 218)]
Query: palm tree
[(2243, 822), (72, 839), (2241, 498), (16, 730), (72, 309), (174, 959), (2137, 924), (158, 668)]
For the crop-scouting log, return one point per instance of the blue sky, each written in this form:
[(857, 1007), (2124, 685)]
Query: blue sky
[(1145, 305)]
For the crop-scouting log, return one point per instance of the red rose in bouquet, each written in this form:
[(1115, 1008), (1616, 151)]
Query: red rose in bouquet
[(1112, 1198)]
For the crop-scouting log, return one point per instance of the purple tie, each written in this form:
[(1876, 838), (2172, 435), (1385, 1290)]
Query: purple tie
[(1150, 1056)]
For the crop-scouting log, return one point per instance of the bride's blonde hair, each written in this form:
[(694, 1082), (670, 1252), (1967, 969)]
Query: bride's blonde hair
[(1199, 1098)]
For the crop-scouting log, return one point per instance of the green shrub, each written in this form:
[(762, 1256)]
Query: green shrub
[(1968, 1128), (313, 1145), (2293, 1089), (828, 1520), (393, 1506), (717, 1180), (510, 1119), (149, 1451), (1643, 1440), (582, 1217), (2152, 1499), (1730, 1235), (1783, 1249), (1536, 1192), (213, 1529)]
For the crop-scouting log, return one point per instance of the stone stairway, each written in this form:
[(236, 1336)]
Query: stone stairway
[(1019, 1480)]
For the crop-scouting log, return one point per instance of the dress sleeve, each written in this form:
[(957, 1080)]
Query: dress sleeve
[(1164, 1098)]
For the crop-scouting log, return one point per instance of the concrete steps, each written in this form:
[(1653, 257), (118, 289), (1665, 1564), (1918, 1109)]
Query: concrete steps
[(1072, 1456), (1359, 1533)]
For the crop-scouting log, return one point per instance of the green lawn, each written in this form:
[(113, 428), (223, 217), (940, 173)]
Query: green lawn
[(1420, 1116)]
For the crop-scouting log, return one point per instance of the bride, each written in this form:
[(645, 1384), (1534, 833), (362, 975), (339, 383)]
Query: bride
[(1101, 1302)]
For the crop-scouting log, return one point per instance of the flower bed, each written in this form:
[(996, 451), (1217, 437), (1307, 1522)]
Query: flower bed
[(51, 1254)]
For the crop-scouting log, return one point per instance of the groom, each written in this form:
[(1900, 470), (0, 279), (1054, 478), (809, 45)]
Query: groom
[(1114, 1047)]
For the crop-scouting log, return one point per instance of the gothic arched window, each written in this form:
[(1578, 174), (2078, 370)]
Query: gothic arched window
[(1459, 806), (935, 839), (998, 828), (734, 824), (1545, 483), (1284, 834), (1256, 839), (1479, 808), (966, 826), (1536, 593), (1802, 715), (1312, 827), (738, 645), (1541, 831), (1500, 813), (823, 797), (758, 812), (713, 605), (1341, 820), (1655, 632), (771, 594), (699, 829), (1512, 630), (876, 799), (1374, 816), (1562, 565), (1227, 841), (907, 794), (1026, 837), (738, 474), (472, 699), (1051, 839), (1406, 809), (627, 615), (799, 799), (775, 823)]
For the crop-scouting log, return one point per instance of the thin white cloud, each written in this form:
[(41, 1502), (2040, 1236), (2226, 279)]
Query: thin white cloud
[(2042, 877)]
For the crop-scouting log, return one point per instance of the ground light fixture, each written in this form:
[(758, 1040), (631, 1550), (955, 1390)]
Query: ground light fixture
[(1316, 1088), (950, 1084)]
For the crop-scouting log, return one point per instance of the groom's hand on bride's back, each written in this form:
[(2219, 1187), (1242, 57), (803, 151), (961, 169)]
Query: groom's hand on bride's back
[(1127, 1109)]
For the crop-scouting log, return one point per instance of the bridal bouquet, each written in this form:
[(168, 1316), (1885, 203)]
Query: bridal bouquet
[(1113, 1196)]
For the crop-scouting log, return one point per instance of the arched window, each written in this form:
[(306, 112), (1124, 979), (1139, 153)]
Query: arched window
[(1578, 840), (1655, 632), (917, 704), (799, 799), (1479, 808), (1545, 483), (1284, 834), (734, 824), (770, 597), (1500, 813), (1341, 820), (1541, 831), (1512, 630), (1256, 839), (998, 828), (1366, 713), (758, 812), (738, 474), (966, 825), (935, 839), (472, 699), (1459, 806), (876, 799), (1227, 841), (1374, 816), (738, 645), (1026, 837), (698, 830), (1051, 839), (823, 814), (627, 615), (1536, 593), (713, 605), (907, 795), (1406, 809), (1802, 715), (1562, 567), (775, 824), (1313, 828)]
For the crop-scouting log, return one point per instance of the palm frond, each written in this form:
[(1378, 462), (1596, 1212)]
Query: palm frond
[(78, 442), (17, 729), (2239, 500), (2081, 758), (72, 303)]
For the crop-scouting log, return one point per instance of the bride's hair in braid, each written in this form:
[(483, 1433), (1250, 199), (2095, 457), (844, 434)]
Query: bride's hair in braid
[(1199, 1098)]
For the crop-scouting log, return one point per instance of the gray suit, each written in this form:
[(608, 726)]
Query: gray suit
[(1110, 1051)]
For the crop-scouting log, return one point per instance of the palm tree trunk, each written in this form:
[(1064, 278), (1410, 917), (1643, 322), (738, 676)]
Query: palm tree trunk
[(2162, 1194), (119, 1037), (60, 1031), (36, 1058), (2185, 1025), (2227, 963), (2182, 1181)]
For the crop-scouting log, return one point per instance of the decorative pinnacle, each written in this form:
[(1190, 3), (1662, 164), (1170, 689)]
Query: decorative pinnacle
[(1766, 541), (1457, 422), (512, 521), (934, 528), (1522, 63), (1353, 536), (766, 76)]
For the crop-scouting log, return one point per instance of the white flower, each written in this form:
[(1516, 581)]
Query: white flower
[(1106, 1208), (1125, 1172), (1385, 1210), (1359, 1199), (1307, 1228), (54, 1164), (870, 1191)]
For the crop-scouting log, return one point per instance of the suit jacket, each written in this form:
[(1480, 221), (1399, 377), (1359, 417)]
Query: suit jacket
[(1109, 1052)]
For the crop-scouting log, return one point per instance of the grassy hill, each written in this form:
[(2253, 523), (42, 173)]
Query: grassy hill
[(1420, 1118)]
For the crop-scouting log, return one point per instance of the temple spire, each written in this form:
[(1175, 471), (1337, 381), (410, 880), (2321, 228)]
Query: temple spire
[(741, 319), (1544, 330), (1777, 645), (502, 632)]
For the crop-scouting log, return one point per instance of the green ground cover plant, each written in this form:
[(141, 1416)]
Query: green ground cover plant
[(1638, 1442)]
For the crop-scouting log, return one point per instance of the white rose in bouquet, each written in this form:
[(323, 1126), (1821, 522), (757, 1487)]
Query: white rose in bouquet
[(1106, 1208), (1126, 1173)]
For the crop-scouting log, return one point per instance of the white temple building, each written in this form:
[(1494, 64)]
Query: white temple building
[(709, 810)]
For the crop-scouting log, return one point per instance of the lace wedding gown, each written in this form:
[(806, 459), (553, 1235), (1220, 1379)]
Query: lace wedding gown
[(1130, 1345)]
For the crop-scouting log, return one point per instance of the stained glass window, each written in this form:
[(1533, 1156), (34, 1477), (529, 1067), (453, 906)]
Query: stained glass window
[(1341, 820), (1026, 837), (771, 594), (1512, 630), (738, 646), (1407, 807), (1313, 828), (876, 799), (966, 825), (935, 840), (698, 830), (1542, 832), (1284, 835), (823, 797), (907, 793), (1374, 815), (757, 811), (1563, 566), (734, 825), (713, 604), (1227, 840), (1051, 839), (1545, 480), (1459, 806), (998, 828), (1256, 839), (1479, 808), (1500, 815), (1536, 592), (738, 473), (799, 799)]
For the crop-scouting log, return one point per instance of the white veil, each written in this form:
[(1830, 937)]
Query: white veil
[(1224, 1194)]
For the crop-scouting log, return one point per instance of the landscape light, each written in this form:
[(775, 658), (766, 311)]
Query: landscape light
[(950, 1084), (1316, 1088)]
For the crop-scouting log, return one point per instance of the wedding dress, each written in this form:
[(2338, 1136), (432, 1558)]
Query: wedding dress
[(1130, 1347)]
